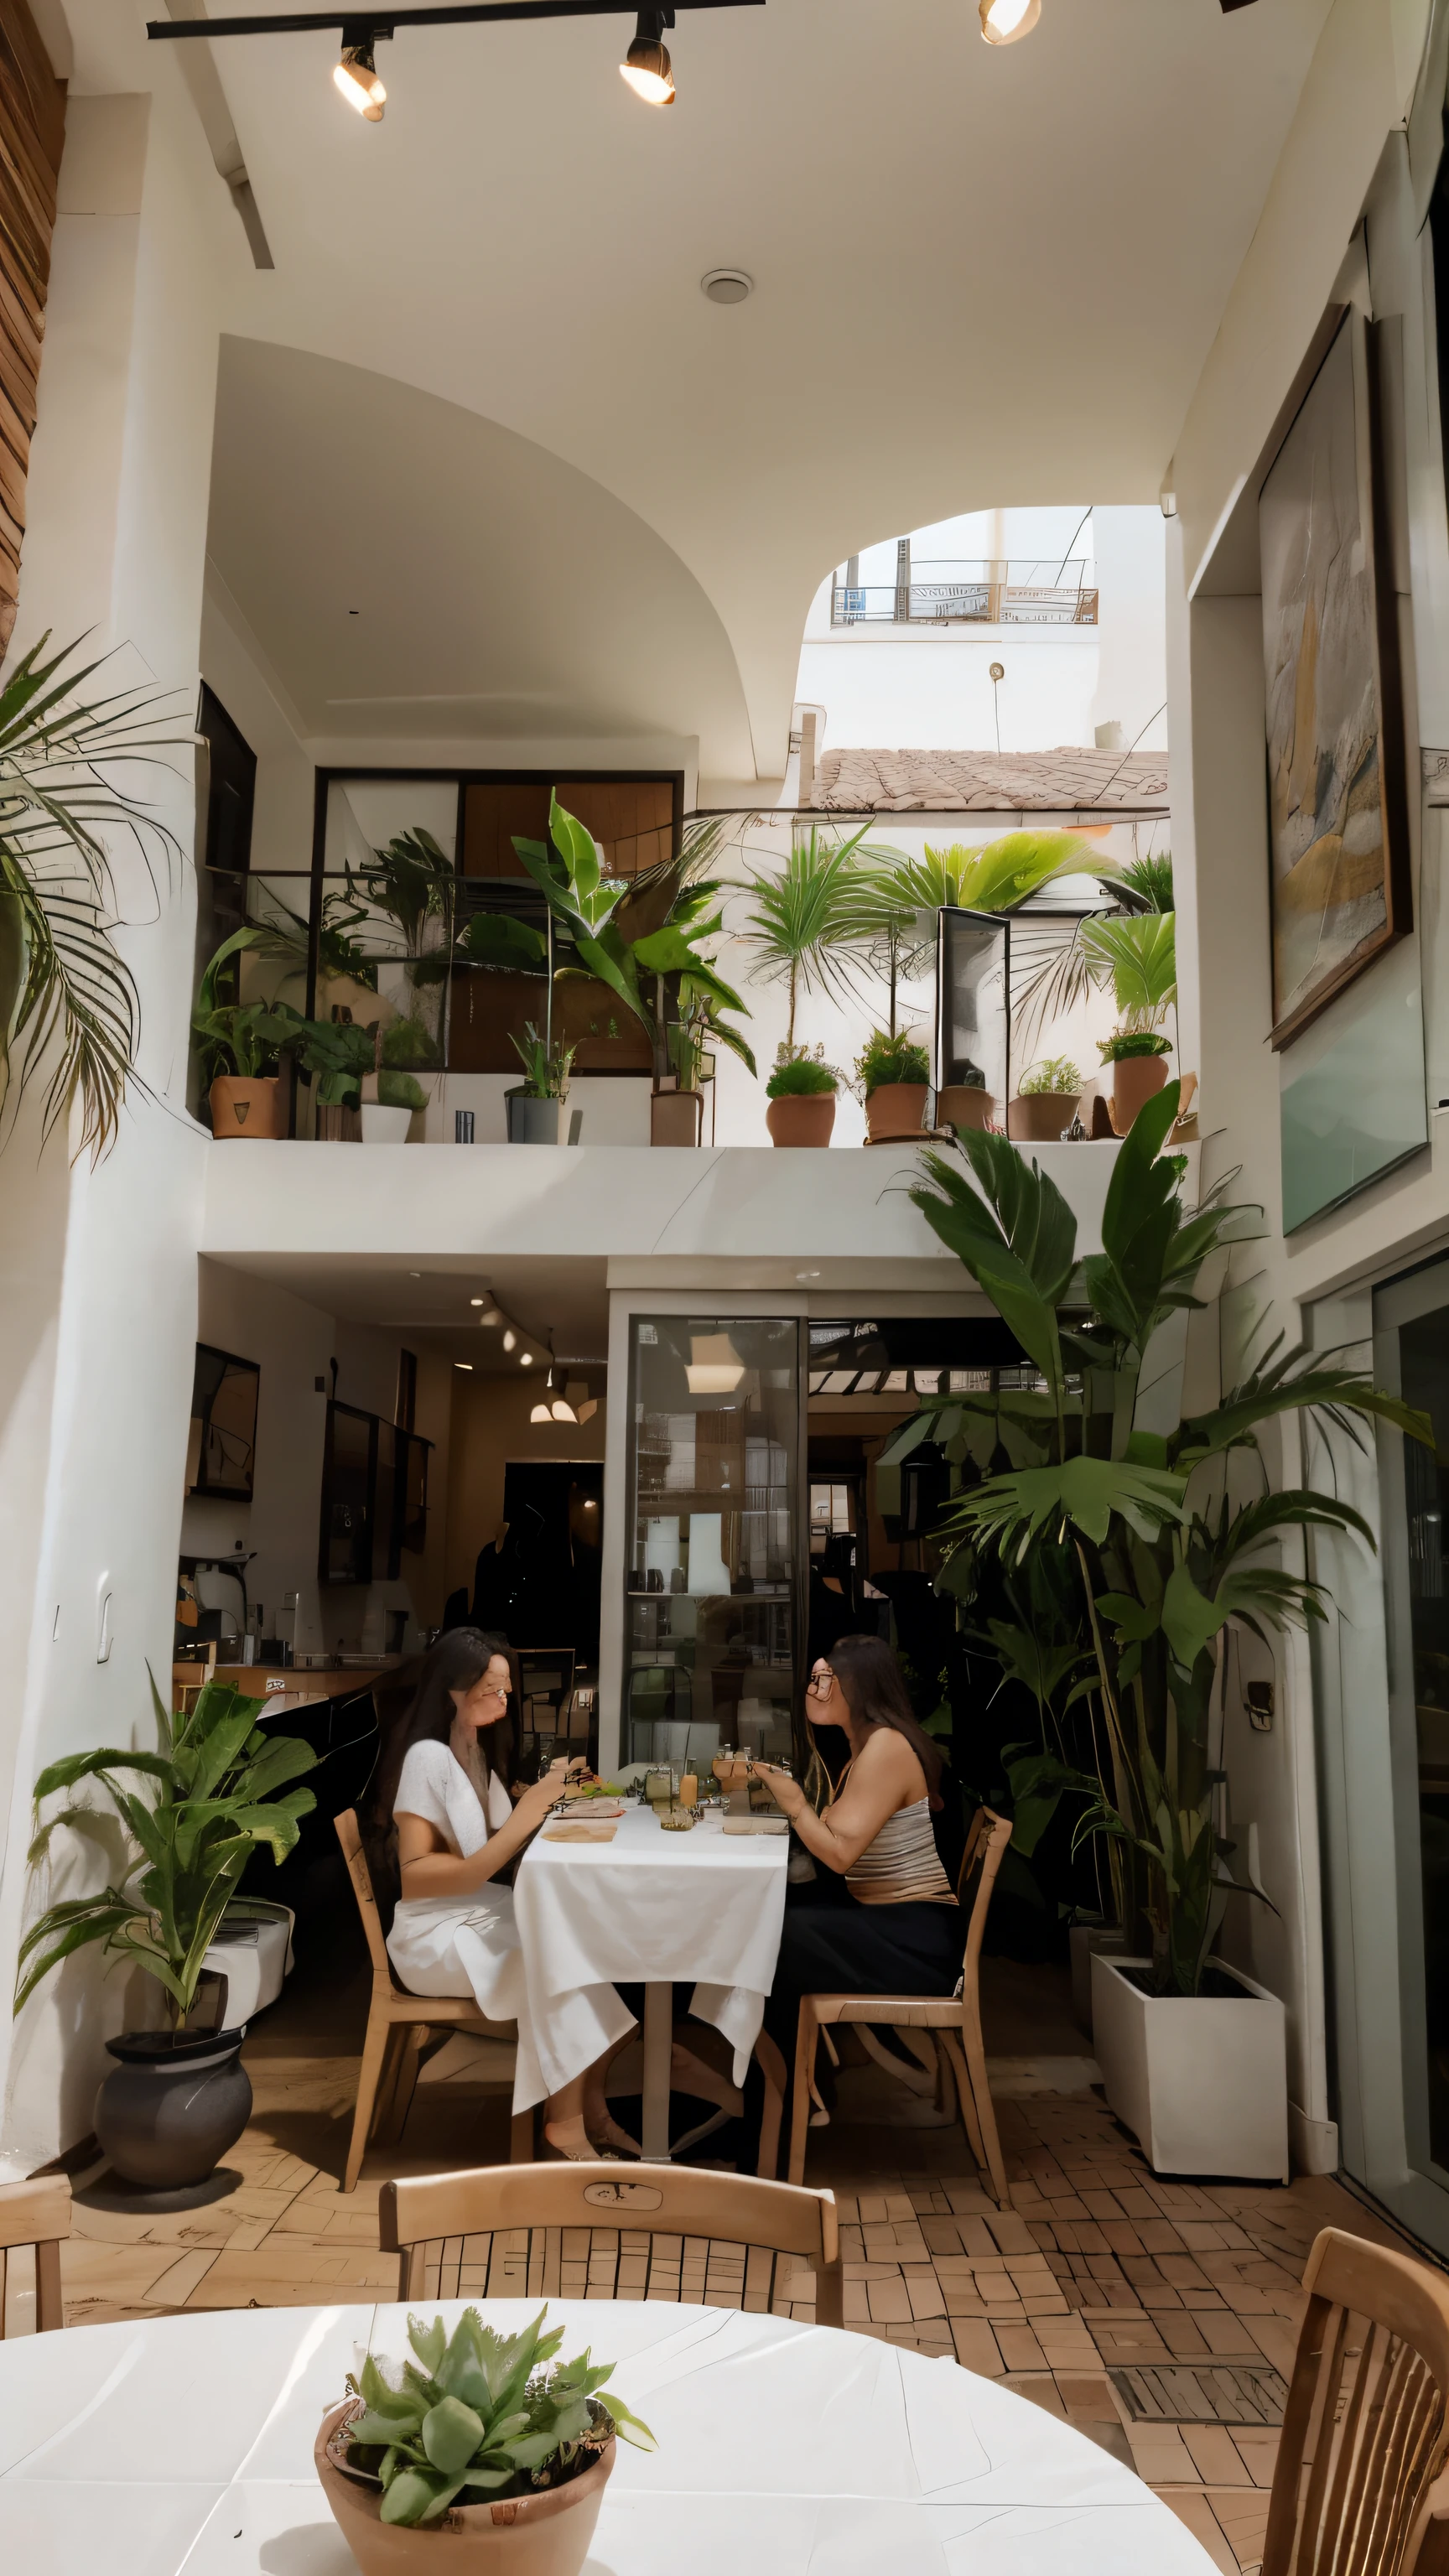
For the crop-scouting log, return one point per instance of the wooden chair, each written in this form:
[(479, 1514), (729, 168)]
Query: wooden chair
[(955, 2020), (452, 2212), (398, 2026), (1361, 2486), (37, 2213)]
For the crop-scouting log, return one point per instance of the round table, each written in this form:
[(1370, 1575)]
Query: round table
[(146, 2448)]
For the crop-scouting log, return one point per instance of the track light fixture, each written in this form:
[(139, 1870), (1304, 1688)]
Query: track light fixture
[(355, 74), (646, 66), (1004, 21)]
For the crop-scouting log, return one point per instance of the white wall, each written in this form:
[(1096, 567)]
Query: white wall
[(896, 688), (92, 1432)]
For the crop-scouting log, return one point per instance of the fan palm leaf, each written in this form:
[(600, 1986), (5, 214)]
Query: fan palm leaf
[(69, 1008)]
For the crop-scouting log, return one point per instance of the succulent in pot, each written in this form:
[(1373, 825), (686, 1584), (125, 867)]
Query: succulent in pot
[(178, 2098), (894, 1075), (1138, 1058), (1047, 1100), (801, 1093), (477, 2437), (386, 1120)]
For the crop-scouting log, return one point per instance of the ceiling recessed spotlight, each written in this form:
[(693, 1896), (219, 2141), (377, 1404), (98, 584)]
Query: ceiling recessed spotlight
[(510, 1339), (1003, 21), (732, 285), (477, 1301), (803, 1275), (525, 1358), (356, 74), (415, 1274), (464, 1364), (646, 66)]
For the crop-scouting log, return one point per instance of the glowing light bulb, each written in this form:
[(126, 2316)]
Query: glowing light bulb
[(355, 76), (510, 1339), (540, 1413), (646, 66), (1004, 21), (525, 1359)]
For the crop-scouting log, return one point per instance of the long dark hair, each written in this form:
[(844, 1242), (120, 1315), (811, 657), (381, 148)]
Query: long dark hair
[(455, 1663), (873, 1684)]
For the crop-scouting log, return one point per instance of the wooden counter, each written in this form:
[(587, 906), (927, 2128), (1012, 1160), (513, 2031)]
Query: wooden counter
[(288, 1685)]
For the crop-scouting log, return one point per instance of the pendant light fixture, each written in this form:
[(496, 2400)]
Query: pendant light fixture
[(646, 66), (1003, 22), (355, 75)]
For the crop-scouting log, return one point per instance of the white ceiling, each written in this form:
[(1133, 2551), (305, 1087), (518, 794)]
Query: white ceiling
[(562, 1299), (984, 277)]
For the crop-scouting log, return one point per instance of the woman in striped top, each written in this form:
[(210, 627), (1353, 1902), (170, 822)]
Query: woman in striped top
[(894, 1927)]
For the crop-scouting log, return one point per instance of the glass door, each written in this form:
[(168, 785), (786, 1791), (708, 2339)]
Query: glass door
[(715, 1554)]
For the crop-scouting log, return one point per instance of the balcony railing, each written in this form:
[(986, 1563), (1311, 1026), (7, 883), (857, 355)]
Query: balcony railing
[(972, 594)]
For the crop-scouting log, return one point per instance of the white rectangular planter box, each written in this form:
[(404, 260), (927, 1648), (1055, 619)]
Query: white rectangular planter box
[(1200, 2080)]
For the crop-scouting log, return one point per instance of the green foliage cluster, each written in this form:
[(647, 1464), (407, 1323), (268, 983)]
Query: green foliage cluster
[(813, 923), (885, 1058), (69, 1010), (1174, 1533), (477, 2415), (546, 1070), (220, 1793), (1055, 1073), (799, 1076), (1000, 876), (1125, 1043)]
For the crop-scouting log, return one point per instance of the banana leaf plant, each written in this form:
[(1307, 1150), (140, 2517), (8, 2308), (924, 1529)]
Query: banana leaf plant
[(1176, 1536), (640, 936), (213, 1793)]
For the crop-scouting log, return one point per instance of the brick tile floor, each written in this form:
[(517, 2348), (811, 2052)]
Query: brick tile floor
[(1097, 2264)]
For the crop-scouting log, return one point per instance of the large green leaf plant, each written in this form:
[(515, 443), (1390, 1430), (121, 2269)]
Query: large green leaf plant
[(215, 1791), (642, 937), (1176, 1535)]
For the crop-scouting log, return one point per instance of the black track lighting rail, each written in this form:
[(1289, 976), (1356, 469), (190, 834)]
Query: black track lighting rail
[(382, 21)]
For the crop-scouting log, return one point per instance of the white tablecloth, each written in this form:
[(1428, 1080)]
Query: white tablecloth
[(647, 1907), (186, 2443)]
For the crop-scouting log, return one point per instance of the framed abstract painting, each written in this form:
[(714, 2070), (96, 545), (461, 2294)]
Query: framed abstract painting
[(1338, 817)]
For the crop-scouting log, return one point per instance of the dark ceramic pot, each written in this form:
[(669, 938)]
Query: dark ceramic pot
[(169, 2110)]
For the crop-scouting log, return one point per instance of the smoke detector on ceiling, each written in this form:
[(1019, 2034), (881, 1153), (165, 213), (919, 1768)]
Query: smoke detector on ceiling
[(727, 285)]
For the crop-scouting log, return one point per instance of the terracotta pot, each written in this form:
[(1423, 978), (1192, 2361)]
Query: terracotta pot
[(801, 1118), (676, 1117), (964, 1104), (1039, 1117), (1136, 1079), (243, 1107), (896, 1109), (534, 2535)]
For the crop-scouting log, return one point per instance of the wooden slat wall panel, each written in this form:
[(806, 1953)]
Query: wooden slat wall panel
[(32, 131)]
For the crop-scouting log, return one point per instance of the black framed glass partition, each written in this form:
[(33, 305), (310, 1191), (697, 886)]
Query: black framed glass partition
[(716, 1548)]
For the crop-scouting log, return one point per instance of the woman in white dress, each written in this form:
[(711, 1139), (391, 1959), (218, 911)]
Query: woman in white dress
[(457, 1830)]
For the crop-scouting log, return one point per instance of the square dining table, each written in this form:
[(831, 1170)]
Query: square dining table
[(650, 1907)]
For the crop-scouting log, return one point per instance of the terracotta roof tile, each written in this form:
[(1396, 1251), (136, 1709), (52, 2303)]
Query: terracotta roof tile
[(907, 782)]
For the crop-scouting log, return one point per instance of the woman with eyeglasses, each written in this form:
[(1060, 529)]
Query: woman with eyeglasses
[(898, 1930), (458, 1828)]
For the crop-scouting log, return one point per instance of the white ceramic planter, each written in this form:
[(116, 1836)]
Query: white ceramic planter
[(384, 1126), (1200, 2080)]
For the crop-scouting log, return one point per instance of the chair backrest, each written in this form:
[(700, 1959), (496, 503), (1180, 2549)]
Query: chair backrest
[(650, 2200), (354, 1852), (1365, 2431), (36, 2213), (985, 1850)]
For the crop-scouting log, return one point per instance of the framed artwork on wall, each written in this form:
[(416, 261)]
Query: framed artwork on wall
[(1337, 809)]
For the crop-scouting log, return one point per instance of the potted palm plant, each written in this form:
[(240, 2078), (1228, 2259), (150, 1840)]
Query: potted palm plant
[(415, 883), (814, 925), (1138, 1058), (801, 1093), (1047, 1100), (214, 1792), (538, 1112), (1171, 1549), (893, 1075), (474, 2452)]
